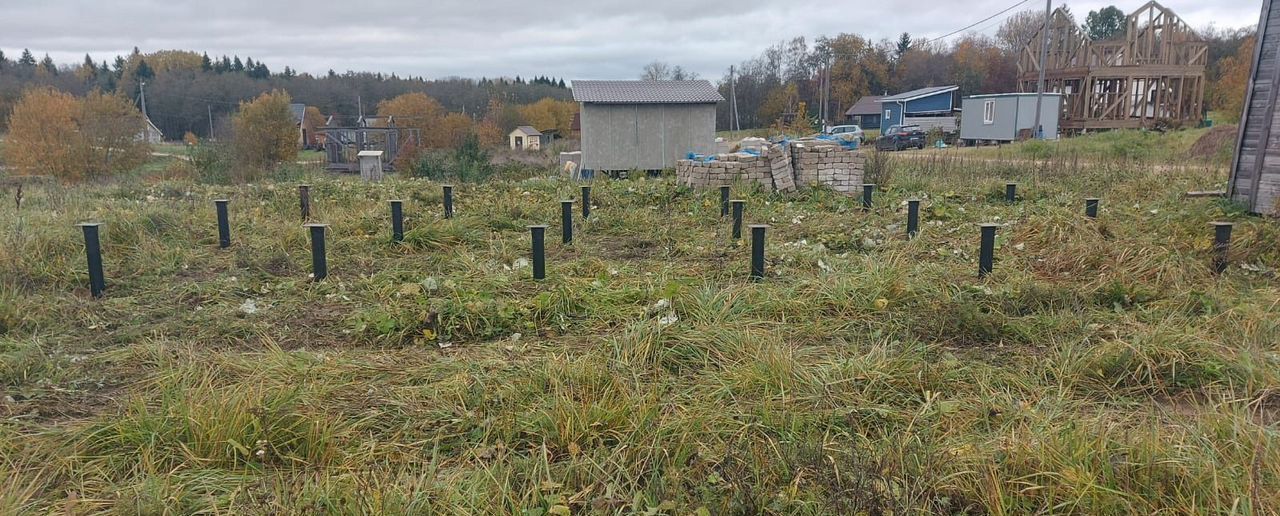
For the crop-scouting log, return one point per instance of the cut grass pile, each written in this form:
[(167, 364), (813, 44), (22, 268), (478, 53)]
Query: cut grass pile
[(1102, 368)]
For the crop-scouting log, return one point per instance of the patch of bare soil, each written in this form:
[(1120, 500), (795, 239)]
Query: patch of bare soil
[(1214, 141)]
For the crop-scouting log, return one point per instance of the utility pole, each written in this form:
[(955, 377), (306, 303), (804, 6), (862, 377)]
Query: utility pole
[(733, 102), (1044, 56), (210, 109)]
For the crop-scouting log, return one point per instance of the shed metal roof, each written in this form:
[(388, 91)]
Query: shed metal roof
[(867, 105), (646, 92), (919, 94), (299, 112), (993, 95), (528, 131)]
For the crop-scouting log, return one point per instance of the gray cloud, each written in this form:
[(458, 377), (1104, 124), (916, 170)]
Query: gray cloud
[(572, 38)]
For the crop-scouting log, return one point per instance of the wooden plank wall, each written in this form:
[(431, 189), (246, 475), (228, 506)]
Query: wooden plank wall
[(1255, 178)]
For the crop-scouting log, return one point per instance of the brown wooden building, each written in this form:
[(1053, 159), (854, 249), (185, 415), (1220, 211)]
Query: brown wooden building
[(1255, 169), (1153, 74)]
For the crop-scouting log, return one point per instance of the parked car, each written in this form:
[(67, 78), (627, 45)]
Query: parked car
[(900, 137), (851, 132)]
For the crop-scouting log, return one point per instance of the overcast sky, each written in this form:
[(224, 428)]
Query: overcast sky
[(597, 39)]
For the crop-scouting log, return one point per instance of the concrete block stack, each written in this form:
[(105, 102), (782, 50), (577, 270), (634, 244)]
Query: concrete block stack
[(828, 165), (784, 176), (782, 168)]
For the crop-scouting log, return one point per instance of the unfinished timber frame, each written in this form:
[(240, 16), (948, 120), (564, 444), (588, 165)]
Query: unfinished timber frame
[(1152, 76), (344, 143)]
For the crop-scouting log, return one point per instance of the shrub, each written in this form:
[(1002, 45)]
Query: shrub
[(265, 133)]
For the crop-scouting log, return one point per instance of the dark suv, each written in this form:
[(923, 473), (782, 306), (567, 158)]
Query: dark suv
[(900, 137)]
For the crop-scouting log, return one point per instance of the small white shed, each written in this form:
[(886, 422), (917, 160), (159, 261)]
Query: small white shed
[(370, 165), (526, 138)]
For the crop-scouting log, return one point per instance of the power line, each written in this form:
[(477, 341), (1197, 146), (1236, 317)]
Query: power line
[(975, 24)]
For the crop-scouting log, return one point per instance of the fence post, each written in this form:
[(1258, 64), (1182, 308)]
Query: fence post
[(224, 226), (319, 261), (737, 206), (93, 251), (397, 221), (986, 255), (1221, 246), (586, 201), (539, 254), (757, 251), (304, 201), (1011, 192), (868, 189)]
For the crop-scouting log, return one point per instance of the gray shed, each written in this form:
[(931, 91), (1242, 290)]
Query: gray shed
[(1007, 117), (1255, 169), (645, 125)]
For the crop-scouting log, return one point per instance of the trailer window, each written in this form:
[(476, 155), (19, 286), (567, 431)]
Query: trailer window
[(989, 112)]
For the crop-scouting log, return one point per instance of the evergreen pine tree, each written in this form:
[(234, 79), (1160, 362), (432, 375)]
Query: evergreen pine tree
[(47, 64), (4, 62), (118, 67), (90, 68), (237, 65), (27, 59), (143, 71), (205, 63)]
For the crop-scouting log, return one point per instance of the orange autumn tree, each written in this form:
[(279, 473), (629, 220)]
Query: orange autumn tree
[(265, 133), (54, 133), (109, 128), (1226, 94), (417, 111)]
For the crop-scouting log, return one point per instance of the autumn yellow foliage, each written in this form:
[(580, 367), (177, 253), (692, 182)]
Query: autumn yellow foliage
[(549, 113), (265, 133), (54, 133)]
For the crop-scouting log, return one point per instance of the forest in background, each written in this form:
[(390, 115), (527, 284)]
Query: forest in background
[(191, 92)]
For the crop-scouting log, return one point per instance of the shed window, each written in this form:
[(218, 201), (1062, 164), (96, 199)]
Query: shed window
[(888, 113), (989, 112)]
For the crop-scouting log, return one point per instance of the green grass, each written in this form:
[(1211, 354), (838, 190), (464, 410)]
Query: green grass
[(1135, 147), (1102, 369)]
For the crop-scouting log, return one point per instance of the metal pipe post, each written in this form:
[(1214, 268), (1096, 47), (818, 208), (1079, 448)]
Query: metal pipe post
[(224, 226), (397, 221), (737, 205), (93, 251), (566, 221), (757, 251), (1221, 246), (539, 252), (304, 201), (319, 261), (724, 201), (986, 255), (586, 201), (1091, 207), (913, 217), (448, 201), (1011, 192), (868, 189)]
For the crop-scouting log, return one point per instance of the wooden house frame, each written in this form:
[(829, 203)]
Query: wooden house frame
[(343, 144), (1152, 74)]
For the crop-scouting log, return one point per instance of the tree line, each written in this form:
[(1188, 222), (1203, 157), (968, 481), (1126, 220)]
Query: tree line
[(192, 92)]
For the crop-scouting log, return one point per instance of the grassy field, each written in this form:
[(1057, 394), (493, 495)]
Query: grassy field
[(1102, 369), (1137, 147)]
